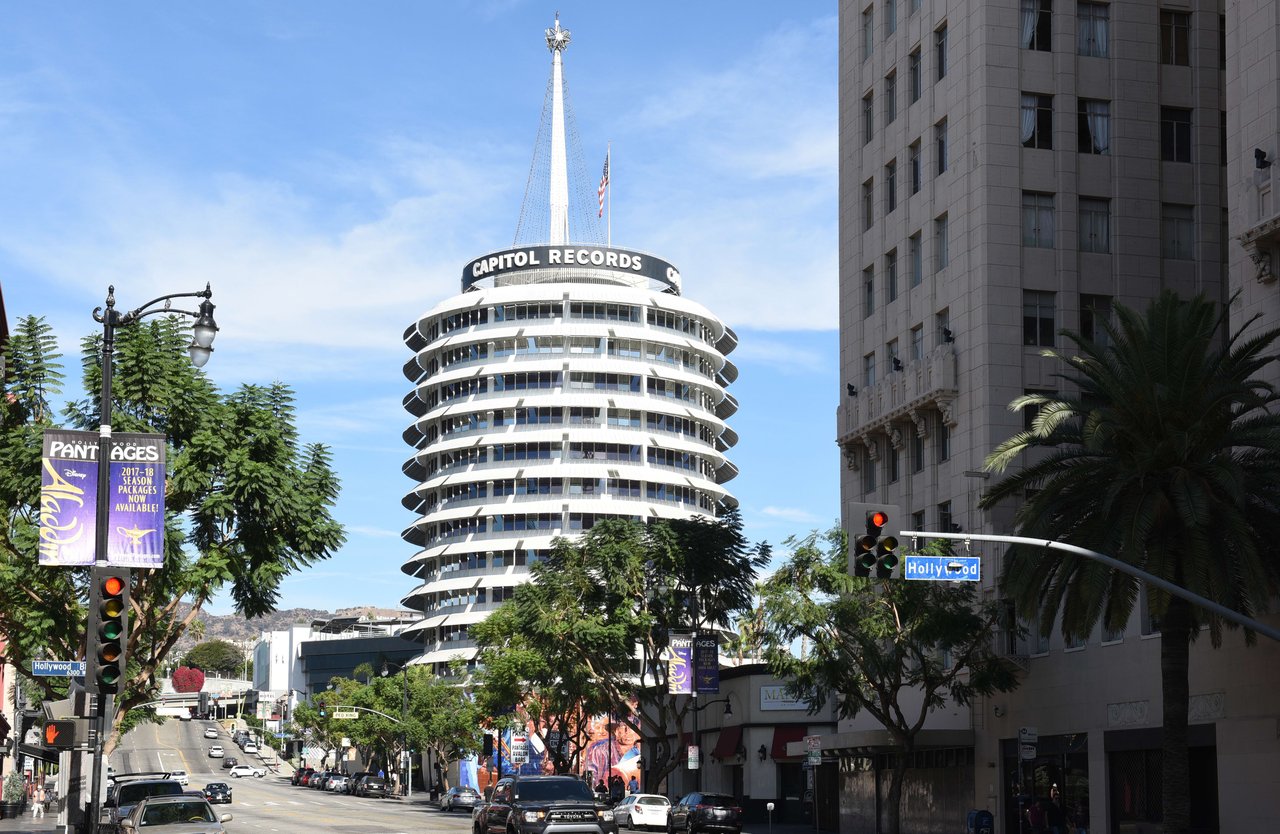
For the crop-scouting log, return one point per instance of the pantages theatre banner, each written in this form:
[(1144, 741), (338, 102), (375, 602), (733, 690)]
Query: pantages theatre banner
[(68, 499)]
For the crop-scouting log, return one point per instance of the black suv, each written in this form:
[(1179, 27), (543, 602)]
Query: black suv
[(701, 811), (544, 805), (128, 789)]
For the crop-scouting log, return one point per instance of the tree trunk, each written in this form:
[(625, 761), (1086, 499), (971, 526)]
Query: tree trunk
[(1175, 640), (893, 802)]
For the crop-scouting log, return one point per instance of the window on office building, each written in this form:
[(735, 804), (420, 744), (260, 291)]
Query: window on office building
[(917, 451), (1177, 231), (1093, 126), (1037, 25), (891, 186), (946, 521), (869, 370), (942, 326), (1036, 128), (890, 97), (868, 471), (1037, 220), (890, 17), (891, 274), (1175, 134), (1093, 21), (1175, 38), (915, 6), (892, 465), (917, 343), (917, 166), (891, 358), (868, 31), (1038, 318), (916, 251), (868, 117), (942, 242), (868, 291), (1095, 314), (944, 441), (1095, 224), (940, 50), (940, 143), (915, 75), (868, 204)]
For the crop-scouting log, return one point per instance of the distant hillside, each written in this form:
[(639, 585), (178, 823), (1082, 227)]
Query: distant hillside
[(238, 630)]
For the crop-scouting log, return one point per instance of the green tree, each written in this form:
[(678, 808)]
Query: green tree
[(247, 504), (216, 656), (623, 585), (869, 643), (1166, 456)]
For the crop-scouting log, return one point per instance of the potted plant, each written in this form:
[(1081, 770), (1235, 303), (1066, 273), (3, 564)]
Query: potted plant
[(14, 795)]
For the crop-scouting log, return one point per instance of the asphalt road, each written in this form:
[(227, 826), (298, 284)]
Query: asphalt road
[(271, 804)]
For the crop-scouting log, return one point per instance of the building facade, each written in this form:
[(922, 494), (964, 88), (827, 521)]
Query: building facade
[(1008, 169), (565, 384)]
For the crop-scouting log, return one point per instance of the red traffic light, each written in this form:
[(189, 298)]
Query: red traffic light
[(112, 586), (876, 519)]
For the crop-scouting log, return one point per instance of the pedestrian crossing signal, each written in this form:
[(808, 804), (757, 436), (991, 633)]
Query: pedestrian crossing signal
[(59, 734)]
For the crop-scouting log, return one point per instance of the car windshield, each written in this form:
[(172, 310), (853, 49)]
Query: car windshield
[(172, 813), (553, 790), (653, 800), (131, 794), (716, 799)]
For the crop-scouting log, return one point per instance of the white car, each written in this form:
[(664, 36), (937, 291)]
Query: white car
[(209, 732), (337, 784), (247, 770), (180, 776), (215, 751), (250, 747), (642, 810)]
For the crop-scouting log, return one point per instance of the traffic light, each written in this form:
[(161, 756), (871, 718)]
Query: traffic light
[(108, 629), (323, 711), (488, 744), (875, 552), (59, 734)]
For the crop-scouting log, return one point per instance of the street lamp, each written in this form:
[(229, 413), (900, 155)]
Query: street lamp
[(199, 350), (405, 765), (728, 713)]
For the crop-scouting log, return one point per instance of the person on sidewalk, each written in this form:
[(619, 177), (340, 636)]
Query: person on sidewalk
[(37, 801)]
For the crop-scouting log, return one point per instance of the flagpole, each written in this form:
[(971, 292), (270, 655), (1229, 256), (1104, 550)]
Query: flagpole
[(608, 155)]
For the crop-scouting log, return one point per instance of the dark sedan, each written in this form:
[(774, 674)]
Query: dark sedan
[(217, 792), (705, 812)]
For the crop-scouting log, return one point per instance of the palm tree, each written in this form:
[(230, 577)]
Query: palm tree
[(1168, 458)]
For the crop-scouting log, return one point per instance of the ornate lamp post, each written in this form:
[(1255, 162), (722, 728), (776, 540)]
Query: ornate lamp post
[(203, 333)]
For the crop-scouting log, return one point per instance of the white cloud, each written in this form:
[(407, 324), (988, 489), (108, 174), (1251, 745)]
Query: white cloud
[(372, 532), (792, 514)]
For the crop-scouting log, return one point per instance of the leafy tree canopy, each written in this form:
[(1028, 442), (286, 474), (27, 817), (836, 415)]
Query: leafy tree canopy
[(895, 649), (216, 656), (247, 503)]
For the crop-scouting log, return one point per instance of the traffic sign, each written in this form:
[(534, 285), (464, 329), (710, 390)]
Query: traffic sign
[(58, 668), (519, 749), (943, 568), (1028, 735), (345, 713), (1027, 752), (694, 754)]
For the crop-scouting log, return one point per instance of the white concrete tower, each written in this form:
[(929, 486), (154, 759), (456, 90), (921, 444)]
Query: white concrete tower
[(565, 384)]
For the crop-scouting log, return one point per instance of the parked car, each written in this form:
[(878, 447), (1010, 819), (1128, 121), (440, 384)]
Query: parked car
[(372, 786), (230, 762), (338, 784), (705, 812), (215, 751), (247, 770), (642, 810), (319, 780), (250, 747), (181, 813), (459, 797), (210, 732), (353, 781), (300, 775), (218, 792), (544, 805)]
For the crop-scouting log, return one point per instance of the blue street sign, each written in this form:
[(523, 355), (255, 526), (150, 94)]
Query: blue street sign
[(58, 668), (943, 568)]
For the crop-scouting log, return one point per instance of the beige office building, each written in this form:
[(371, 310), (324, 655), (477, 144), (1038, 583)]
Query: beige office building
[(1009, 168)]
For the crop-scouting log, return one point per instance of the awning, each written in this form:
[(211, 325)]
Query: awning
[(729, 742), (784, 735)]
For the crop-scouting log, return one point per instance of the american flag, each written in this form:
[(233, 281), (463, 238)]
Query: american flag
[(604, 185)]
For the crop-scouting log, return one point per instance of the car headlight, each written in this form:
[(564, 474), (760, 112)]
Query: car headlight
[(607, 816), (533, 816)]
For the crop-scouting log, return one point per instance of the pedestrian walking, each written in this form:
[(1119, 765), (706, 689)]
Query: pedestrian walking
[(37, 801)]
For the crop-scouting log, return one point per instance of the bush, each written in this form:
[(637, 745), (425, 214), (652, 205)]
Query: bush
[(15, 787)]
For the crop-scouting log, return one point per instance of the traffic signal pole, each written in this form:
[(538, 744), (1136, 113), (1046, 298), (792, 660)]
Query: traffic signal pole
[(1111, 562)]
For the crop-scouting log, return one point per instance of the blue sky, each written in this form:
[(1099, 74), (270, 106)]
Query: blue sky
[(330, 167)]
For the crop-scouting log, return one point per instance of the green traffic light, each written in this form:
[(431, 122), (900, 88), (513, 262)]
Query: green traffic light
[(112, 631)]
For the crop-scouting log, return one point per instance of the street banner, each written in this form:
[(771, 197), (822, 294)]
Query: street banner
[(706, 664), (68, 499), (68, 479), (136, 538), (680, 665)]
